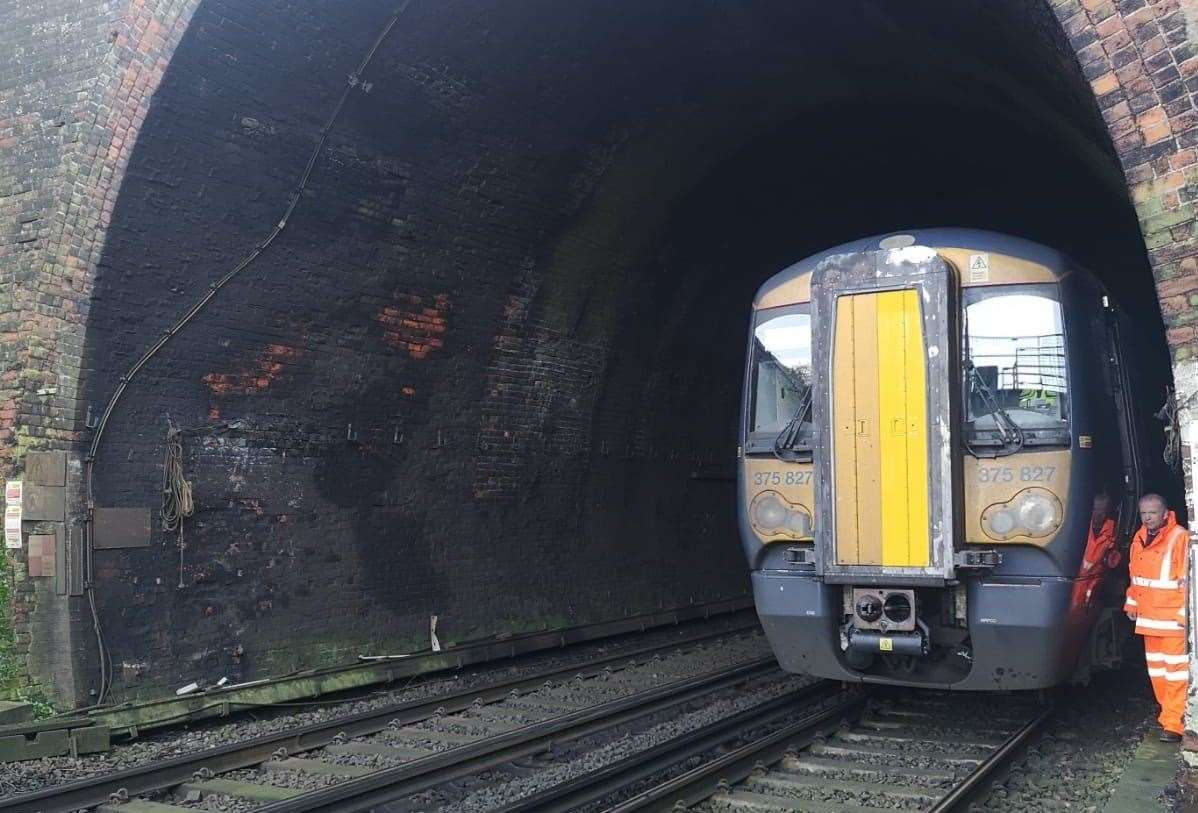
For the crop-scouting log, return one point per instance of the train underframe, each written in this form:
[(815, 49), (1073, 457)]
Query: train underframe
[(982, 633)]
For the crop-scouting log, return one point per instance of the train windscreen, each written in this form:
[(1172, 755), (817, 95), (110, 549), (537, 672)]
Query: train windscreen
[(780, 374), (1015, 376)]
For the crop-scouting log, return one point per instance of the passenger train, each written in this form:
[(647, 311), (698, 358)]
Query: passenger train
[(927, 419)]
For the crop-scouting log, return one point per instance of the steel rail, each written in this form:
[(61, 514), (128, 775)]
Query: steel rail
[(602, 782), (699, 783), (964, 791), (156, 776), (702, 782), (389, 784)]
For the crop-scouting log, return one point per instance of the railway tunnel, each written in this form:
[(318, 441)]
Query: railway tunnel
[(489, 368)]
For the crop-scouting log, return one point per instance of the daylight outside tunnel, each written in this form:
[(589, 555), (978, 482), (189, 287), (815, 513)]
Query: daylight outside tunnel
[(489, 369)]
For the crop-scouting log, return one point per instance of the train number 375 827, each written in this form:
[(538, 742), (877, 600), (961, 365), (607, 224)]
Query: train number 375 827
[(782, 478), (1009, 474)]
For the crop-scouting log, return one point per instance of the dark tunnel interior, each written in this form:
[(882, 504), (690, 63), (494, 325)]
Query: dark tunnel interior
[(499, 345)]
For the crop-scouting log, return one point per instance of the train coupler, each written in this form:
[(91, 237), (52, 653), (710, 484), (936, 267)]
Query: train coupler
[(871, 642)]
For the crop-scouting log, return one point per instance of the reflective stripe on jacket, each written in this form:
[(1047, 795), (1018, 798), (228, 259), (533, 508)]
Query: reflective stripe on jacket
[(1157, 571)]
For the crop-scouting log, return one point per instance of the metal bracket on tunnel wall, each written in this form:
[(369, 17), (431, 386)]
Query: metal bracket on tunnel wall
[(121, 528), (43, 517)]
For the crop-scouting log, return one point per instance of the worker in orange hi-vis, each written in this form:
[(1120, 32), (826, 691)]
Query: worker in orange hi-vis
[(1156, 601), (1100, 541)]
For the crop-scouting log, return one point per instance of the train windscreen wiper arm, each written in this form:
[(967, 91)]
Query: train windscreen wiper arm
[(1012, 435), (786, 445)]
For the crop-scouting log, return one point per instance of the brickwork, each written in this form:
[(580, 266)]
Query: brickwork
[(1141, 59), (78, 78), (487, 371)]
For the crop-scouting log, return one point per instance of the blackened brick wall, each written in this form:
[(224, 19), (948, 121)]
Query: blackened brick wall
[(490, 370), (395, 406)]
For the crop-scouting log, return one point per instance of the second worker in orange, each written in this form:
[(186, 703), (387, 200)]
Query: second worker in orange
[(1156, 601)]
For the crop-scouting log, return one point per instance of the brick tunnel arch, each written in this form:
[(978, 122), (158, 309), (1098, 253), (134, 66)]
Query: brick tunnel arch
[(489, 370)]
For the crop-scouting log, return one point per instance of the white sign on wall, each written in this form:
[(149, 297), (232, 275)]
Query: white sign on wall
[(14, 491), (12, 526)]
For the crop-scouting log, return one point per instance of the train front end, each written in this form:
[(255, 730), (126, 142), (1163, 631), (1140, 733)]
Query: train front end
[(905, 469)]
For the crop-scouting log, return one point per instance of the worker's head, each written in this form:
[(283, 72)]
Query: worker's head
[(1152, 511), (1101, 508)]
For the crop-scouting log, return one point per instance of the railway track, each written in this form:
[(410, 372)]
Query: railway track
[(788, 745), (921, 753), (395, 751)]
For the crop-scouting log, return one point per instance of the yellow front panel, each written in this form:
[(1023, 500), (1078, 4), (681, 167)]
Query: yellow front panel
[(880, 437)]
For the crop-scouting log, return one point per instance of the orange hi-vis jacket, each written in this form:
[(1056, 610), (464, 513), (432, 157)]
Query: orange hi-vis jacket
[(1097, 546), (1156, 594)]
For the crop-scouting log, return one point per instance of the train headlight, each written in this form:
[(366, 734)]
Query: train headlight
[(798, 522), (1002, 521), (1033, 512), (1037, 514), (769, 512), (772, 514)]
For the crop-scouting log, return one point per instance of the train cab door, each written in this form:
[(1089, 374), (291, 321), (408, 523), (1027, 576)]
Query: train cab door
[(884, 407)]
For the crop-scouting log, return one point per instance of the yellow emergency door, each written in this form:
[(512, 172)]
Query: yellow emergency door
[(879, 437)]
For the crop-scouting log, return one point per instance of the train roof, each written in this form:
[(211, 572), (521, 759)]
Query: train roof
[(978, 240)]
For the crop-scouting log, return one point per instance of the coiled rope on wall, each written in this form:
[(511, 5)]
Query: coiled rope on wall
[(354, 81), (177, 502)]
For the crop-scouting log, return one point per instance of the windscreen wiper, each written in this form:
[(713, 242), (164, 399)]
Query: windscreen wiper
[(786, 444), (1009, 432)]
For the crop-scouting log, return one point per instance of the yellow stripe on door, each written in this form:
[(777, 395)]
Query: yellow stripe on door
[(880, 431)]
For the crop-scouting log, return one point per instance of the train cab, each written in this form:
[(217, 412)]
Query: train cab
[(928, 419)]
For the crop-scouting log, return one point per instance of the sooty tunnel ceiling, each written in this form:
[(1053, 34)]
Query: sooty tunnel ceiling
[(490, 369)]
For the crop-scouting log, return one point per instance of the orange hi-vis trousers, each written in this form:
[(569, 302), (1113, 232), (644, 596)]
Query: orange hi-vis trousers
[(1169, 671)]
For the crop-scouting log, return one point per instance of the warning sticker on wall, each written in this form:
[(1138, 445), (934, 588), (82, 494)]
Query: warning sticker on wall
[(979, 267), (12, 526), (13, 491)]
